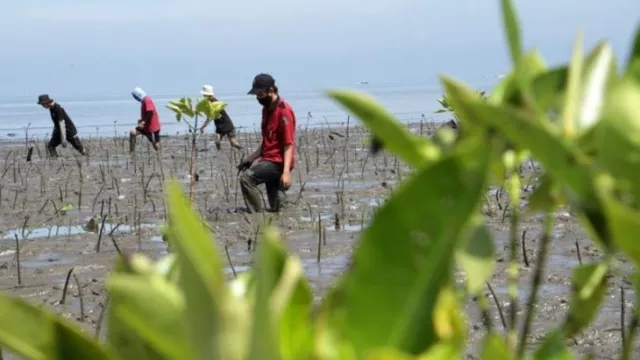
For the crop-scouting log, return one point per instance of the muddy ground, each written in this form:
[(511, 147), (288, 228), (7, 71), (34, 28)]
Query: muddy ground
[(334, 178)]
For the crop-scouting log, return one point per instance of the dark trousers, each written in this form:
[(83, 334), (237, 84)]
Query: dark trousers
[(269, 174), (56, 140)]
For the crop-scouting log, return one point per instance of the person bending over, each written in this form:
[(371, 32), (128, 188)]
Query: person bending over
[(224, 125), (149, 122), (63, 128), (276, 153)]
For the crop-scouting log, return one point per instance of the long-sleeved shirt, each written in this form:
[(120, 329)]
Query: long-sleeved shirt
[(60, 118)]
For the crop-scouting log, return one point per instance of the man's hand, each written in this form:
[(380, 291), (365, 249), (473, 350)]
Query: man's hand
[(285, 180), (63, 143), (244, 164)]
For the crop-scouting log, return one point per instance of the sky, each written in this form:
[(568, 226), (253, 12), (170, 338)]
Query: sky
[(105, 48)]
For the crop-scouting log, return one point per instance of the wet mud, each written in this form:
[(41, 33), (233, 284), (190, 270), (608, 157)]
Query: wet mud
[(51, 210)]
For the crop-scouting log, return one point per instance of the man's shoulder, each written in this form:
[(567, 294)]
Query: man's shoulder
[(283, 105)]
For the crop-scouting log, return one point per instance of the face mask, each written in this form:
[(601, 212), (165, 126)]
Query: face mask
[(265, 101)]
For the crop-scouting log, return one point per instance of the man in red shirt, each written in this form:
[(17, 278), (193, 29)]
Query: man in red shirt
[(277, 151), (149, 122)]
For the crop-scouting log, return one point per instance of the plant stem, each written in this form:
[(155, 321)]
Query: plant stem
[(537, 280)]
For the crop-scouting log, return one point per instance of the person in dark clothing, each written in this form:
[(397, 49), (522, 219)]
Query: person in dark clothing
[(276, 153), (224, 125), (63, 128)]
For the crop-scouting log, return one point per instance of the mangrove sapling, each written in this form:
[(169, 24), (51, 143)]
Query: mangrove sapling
[(18, 259), (578, 252), (345, 153), (100, 320), (536, 283), (80, 297), (319, 254), (226, 251), (184, 109), (95, 199), (498, 306), (65, 288)]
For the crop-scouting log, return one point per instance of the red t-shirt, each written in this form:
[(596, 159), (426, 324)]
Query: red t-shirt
[(278, 130), (152, 125)]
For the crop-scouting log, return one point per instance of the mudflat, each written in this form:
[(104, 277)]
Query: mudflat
[(51, 226)]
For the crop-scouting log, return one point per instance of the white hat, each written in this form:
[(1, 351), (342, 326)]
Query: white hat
[(207, 90)]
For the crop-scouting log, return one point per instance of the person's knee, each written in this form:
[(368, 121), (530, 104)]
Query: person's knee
[(133, 132)]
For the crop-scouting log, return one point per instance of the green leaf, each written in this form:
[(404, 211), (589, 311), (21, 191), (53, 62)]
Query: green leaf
[(448, 322), (201, 277), (153, 309), (563, 161), (508, 90), (623, 221), (549, 87), (271, 259), (512, 30), (476, 255), (495, 348), (292, 303), (35, 333), (65, 209), (569, 113), (633, 63), (442, 351), (618, 135), (418, 262), (553, 348), (173, 106), (588, 289), (412, 149), (596, 83)]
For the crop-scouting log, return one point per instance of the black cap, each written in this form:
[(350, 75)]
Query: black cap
[(43, 99), (262, 82)]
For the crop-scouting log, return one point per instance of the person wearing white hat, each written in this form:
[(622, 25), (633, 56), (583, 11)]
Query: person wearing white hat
[(224, 125)]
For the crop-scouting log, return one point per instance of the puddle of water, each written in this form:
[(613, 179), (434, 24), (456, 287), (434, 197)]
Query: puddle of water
[(47, 259), (66, 230), (7, 252), (350, 185), (347, 228), (315, 272), (325, 217)]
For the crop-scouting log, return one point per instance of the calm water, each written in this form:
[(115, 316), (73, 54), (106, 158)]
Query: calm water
[(109, 114)]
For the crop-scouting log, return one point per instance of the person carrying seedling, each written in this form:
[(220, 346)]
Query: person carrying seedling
[(224, 125), (276, 153), (63, 128), (149, 122)]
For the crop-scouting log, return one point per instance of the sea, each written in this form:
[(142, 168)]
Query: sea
[(115, 114)]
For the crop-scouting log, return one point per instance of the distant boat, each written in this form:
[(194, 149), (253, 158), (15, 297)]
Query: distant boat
[(364, 82)]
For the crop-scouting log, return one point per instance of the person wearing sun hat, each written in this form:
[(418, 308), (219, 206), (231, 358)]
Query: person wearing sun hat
[(63, 128), (224, 125)]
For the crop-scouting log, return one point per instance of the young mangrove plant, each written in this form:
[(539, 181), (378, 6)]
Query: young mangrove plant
[(188, 113)]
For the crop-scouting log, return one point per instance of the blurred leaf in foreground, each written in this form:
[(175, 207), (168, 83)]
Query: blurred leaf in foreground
[(34, 333), (377, 306), (387, 130)]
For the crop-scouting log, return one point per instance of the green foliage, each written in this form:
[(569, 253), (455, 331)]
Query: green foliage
[(399, 300), (203, 108)]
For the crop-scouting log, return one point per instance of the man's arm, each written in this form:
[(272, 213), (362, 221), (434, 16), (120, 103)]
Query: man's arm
[(60, 116), (255, 155), (147, 117), (287, 136)]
